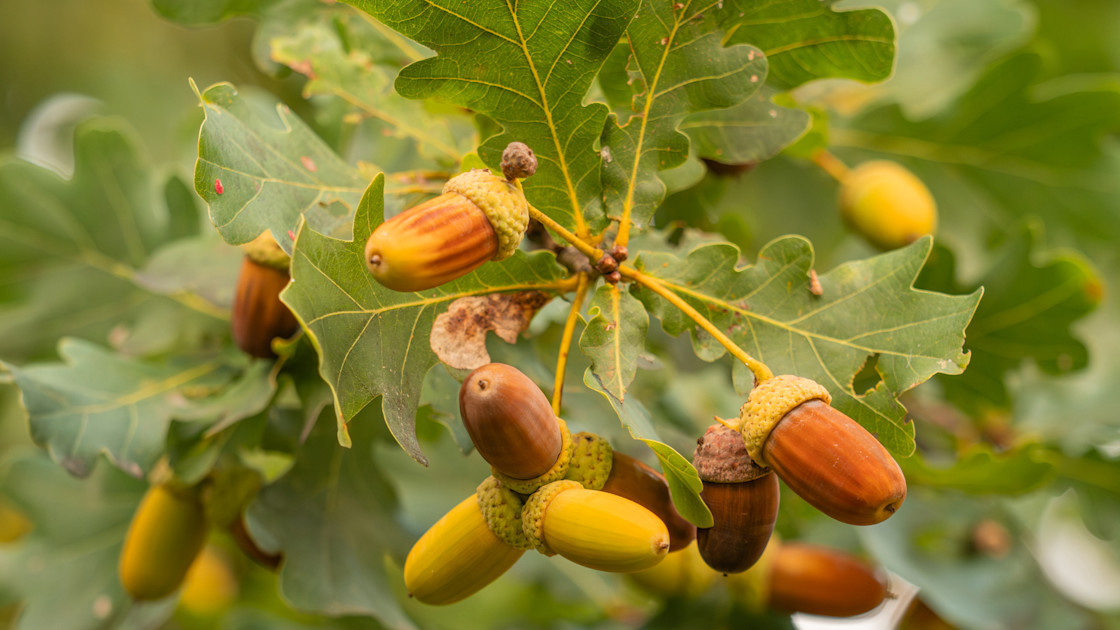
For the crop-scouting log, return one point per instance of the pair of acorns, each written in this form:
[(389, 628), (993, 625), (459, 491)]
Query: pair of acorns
[(787, 429), (559, 493)]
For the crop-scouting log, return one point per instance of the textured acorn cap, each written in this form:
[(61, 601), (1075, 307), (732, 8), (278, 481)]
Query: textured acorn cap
[(503, 202), (592, 459), (501, 507)]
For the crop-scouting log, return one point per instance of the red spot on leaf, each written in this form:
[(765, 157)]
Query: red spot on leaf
[(291, 235), (218, 188), (307, 163)]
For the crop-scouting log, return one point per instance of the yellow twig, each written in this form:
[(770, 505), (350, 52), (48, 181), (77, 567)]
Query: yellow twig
[(831, 164), (566, 341), (592, 252), (759, 369)]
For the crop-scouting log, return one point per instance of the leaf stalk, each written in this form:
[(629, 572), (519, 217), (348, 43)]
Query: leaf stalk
[(566, 340)]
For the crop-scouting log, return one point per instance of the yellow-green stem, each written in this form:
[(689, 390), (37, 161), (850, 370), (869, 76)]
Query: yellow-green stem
[(759, 369), (566, 341), (592, 252), (831, 164)]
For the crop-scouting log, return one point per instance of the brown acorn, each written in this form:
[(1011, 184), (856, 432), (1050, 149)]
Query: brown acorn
[(822, 581), (742, 496), (824, 456), (632, 479), (510, 421), (258, 314)]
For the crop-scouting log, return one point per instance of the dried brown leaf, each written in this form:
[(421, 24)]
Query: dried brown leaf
[(459, 336)]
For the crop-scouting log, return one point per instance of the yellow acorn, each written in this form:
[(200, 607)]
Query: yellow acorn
[(210, 587), (165, 536), (682, 573), (887, 204), (457, 557), (13, 524), (593, 528), (479, 217)]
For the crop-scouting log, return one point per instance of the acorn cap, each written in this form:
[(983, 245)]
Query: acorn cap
[(501, 507), (592, 460), (721, 457)]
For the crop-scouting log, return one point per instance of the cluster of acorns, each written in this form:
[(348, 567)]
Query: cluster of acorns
[(553, 491)]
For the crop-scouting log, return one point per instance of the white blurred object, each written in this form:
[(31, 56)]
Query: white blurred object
[(886, 617), (46, 137), (1081, 566)]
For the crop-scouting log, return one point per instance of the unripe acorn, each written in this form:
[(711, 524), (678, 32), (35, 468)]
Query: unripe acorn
[(167, 532), (824, 456), (479, 217), (645, 486), (593, 528), (210, 587), (510, 421), (258, 314), (887, 204), (742, 496), (682, 573), (821, 581), (456, 557)]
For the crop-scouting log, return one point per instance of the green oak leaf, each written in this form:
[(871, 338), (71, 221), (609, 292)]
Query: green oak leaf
[(868, 310), (64, 572), (1030, 305), (678, 66), (614, 337), (1026, 150), (751, 132), (527, 66), (684, 482), (373, 341), (981, 470), (209, 12), (331, 516), (71, 250), (335, 67), (805, 40), (98, 402), (266, 170)]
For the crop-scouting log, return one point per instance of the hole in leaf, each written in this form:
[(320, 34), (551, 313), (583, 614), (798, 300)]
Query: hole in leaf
[(868, 377)]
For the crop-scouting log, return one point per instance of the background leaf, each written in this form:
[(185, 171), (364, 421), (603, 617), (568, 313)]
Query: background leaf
[(261, 170), (374, 341), (868, 311), (805, 40), (100, 403), (753, 131), (530, 66)]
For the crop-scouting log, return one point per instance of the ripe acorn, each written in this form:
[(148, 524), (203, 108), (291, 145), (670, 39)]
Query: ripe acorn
[(258, 314), (824, 456), (457, 557), (510, 421), (632, 479), (593, 528), (822, 581), (742, 496), (479, 217), (887, 204), (166, 534)]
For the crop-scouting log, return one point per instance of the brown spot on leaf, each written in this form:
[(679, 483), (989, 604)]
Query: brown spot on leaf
[(459, 336)]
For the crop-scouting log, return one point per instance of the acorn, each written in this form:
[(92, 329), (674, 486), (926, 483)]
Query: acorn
[(258, 314), (886, 204), (478, 218), (457, 557), (822, 581), (682, 573), (742, 496), (824, 456), (210, 587), (165, 536), (595, 529), (632, 479), (512, 425)]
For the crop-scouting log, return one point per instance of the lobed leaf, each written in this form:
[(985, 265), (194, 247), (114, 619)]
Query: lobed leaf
[(526, 66), (261, 170), (373, 341), (805, 40), (614, 337), (679, 66), (753, 131), (867, 311)]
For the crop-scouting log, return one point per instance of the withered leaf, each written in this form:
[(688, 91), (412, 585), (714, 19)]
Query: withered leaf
[(459, 335)]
